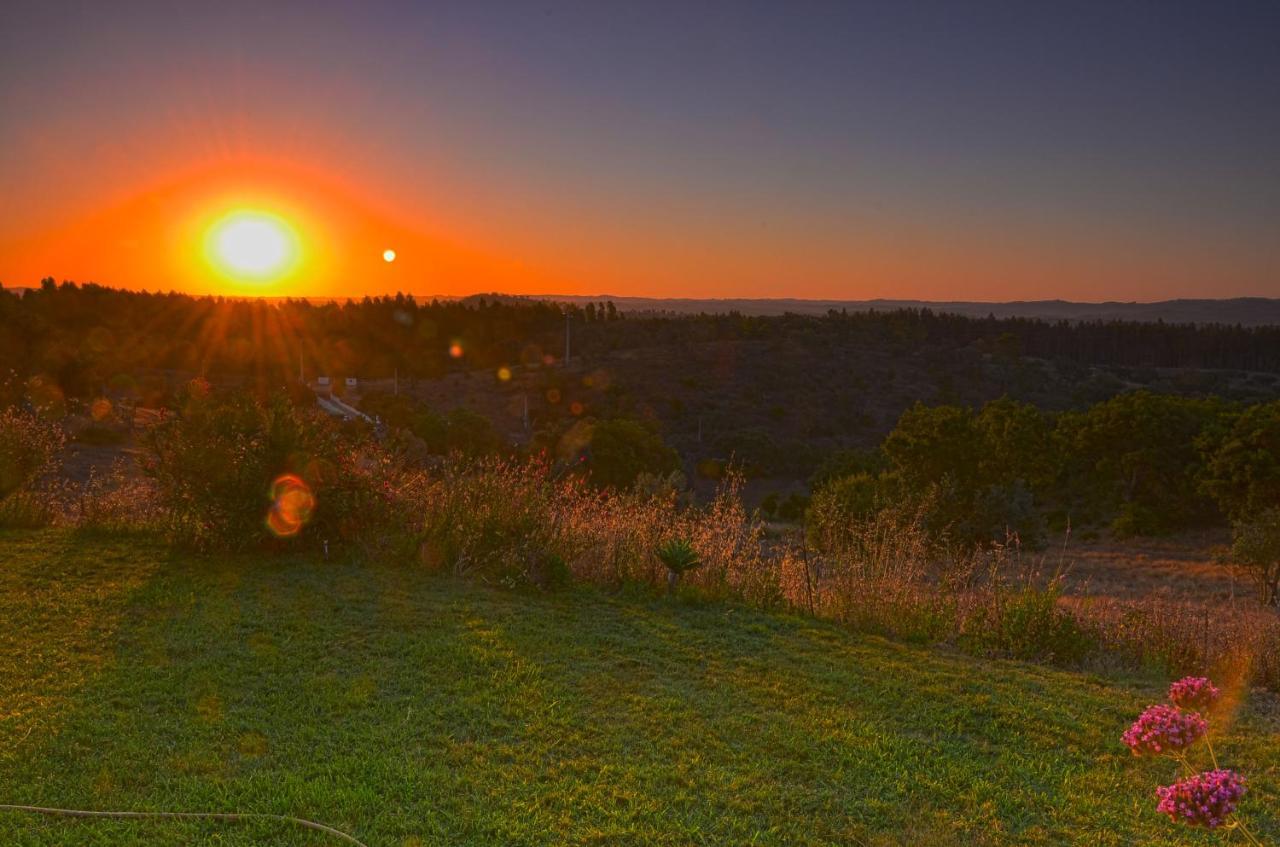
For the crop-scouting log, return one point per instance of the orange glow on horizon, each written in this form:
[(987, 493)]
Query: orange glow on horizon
[(254, 229), (154, 238)]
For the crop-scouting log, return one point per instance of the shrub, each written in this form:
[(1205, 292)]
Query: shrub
[(1185, 637), (973, 477), (621, 449), (679, 557), (29, 448), (1256, 545), (880, 575), (838, 507), (118, 501), (498, 520), (1136, 458), (1243, 467), (27, 510), (234, 472), (1033, 626)]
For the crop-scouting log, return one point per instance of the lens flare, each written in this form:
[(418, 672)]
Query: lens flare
[(291, 505)]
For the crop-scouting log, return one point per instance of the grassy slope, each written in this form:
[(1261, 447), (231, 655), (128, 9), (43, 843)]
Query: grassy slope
[(409, 709)]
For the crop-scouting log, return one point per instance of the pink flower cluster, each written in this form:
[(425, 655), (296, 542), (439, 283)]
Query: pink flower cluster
[(1164, 729), (1206, 799), (1193, 692)]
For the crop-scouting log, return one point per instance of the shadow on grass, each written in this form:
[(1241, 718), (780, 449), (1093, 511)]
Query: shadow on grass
[(411, 709)]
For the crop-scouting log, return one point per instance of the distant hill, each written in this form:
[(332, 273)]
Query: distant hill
[(1247, 311)]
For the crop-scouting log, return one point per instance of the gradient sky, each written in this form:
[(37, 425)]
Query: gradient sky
[(985, 151)]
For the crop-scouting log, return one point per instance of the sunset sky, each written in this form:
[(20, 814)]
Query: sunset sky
[(981, 151)]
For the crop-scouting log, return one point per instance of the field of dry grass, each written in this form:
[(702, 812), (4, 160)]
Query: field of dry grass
[(1183, 567)]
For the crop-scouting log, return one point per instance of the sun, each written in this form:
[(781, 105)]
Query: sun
[(252, 246)]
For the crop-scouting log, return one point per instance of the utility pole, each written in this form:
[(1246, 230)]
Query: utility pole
[(397, 382), (301, 377), (525, 416), (566, 338)]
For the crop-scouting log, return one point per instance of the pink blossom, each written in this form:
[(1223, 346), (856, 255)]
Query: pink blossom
[(1164, 729), (1193, 692), (1206, 799)]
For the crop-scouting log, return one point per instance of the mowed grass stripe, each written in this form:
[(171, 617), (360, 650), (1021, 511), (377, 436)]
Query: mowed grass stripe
[(412, 709)]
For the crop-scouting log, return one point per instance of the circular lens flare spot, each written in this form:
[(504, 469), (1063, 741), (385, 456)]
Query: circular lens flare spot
[(291, 506), (100, 409)]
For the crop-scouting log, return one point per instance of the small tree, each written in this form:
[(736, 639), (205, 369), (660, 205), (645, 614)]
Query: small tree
[(679, 557), (622, 449), (1256, 545)]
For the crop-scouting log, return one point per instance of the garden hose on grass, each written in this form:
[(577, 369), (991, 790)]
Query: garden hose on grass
[(209, 816)]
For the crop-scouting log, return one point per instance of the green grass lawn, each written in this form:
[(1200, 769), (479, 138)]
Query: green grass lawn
[(411, 709)]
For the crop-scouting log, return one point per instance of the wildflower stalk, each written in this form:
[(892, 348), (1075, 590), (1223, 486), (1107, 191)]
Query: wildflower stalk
[(1238, 825), (1209, 746)]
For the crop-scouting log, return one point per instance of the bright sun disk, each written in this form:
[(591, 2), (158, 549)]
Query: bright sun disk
[(255, 246)]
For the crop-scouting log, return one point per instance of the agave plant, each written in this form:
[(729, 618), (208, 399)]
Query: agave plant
[(679, 557)]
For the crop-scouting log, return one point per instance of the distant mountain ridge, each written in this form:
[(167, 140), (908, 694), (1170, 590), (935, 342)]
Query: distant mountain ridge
[(1246, 311)]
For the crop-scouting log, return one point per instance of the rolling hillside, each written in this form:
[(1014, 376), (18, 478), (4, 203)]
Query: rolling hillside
[(411, 709)]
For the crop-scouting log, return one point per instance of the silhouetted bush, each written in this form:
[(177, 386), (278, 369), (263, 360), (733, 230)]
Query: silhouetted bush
[(1256, 545), (233, 472), (29, 445)]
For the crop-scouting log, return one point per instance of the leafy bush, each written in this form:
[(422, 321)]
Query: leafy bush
[(1243, 468), (118, 500), (1135, 459), (839, 507), (29, 448), (1032, 625), (621, 449), (459, 431), (844, 463), (1256, 545), (29, 445), (26, 510), (1004, 510), (973, 477), (234, 472)]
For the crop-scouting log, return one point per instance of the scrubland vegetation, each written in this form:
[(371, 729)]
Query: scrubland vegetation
[(907, 552), (943, 535)]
